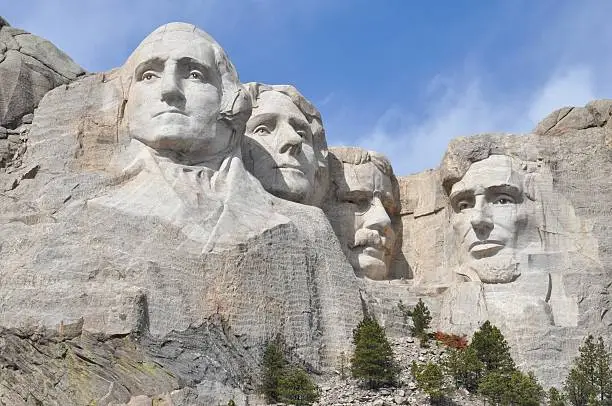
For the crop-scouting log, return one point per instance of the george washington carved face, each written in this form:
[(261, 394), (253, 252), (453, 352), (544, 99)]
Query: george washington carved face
[(178, 78)]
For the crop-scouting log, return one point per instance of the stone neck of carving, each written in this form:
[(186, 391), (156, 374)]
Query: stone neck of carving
[(193, 184), (191, 160)]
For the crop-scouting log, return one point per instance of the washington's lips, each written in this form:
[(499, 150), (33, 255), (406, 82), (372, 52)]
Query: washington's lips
[(170, 111)]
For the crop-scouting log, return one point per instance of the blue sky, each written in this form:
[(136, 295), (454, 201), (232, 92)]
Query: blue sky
[(398, 76)]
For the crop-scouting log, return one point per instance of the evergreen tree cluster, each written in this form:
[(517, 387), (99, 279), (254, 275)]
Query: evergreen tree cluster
[(589, 382), (283, 382), (483, 366), (486, 367)]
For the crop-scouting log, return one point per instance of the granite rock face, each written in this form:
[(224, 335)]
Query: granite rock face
[(146, 258), (519, 232), (30, 66), (110, 232)]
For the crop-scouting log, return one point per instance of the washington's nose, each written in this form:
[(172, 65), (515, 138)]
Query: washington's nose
[(171, 91), (289, 140), (481, 220)]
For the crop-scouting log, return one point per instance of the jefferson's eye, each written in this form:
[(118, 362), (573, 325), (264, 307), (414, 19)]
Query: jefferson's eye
[(195, 74), (148, 75), (463, 205), (503, 199), (261, 130)]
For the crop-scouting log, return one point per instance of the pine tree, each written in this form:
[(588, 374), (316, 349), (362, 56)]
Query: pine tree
[(273, 364), (373, 362), (464, 367), (492, 349), (430, 379), (555, 398), (421, 317), (296, 387), (511, 388), (590, 379), (282, 382)]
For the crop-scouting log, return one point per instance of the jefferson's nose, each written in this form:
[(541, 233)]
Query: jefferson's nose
[(289, 140), (481, 220), (171, 90)]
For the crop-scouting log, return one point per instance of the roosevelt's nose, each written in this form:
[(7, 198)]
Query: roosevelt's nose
[(171, 89), (377, 218), (481, 220), (289, 141)]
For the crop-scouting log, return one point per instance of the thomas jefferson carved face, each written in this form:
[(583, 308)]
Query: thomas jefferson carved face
[(488, 217), (279, 142), (175, 93), (361, 218)]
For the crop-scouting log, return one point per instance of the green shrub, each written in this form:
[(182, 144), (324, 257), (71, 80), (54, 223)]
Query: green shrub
[(430, 379), (273, 364), (555, 398), (590, 379), (492, 349), (373, 362), (296, 387), (421, 317), (283, 382), (464, 367), (511, 388)]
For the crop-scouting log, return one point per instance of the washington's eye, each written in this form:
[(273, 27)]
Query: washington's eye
[(195, 74), (148, 75), (503, 199), (261, 130)]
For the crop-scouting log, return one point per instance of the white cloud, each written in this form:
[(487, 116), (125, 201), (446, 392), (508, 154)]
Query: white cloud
[(574, 86), (571, 71)]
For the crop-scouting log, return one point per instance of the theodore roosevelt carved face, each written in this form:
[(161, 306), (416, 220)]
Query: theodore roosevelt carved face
[(365, 201), (488, 218)]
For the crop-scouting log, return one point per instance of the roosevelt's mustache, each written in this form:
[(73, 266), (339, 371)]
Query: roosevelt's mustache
[(369, 238)]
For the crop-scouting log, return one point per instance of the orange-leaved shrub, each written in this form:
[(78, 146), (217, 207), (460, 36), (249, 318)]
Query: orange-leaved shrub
[(451, 340)]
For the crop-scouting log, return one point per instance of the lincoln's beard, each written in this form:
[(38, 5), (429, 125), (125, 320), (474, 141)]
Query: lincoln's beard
[(496, 269)]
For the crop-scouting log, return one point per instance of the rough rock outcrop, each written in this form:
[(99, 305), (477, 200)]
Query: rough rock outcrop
[(30, 66)]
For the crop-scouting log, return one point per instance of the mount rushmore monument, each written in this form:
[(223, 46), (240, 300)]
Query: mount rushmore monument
[(162, 221)]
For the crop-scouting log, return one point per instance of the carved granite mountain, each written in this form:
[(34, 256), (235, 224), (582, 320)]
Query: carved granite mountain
[(141, 263), (114, 235)]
